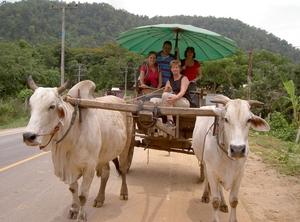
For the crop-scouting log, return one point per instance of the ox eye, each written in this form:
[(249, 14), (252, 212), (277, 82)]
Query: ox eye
[(226, 120), (52, 107), (249, 120)]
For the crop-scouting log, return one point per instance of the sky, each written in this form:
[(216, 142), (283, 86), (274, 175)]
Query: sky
[(281, 18)]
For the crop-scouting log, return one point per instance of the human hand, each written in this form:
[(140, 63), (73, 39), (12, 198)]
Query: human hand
[(171, 100), (183, 67), (168, 88)]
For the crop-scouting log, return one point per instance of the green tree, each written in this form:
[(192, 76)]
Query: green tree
[(225, 74), (16, 63), (266, 82)]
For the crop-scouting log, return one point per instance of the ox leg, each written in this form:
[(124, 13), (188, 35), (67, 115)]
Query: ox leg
[(124, 169), (202, 174), (73, 213), (103, 171), (125, 157), (206, 192), (233, 199), (124, 189), (87, 179), (223, 205), (215, 195)]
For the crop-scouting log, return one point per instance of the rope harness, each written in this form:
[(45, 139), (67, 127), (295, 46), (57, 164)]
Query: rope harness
[(56, 129), (216, 133)]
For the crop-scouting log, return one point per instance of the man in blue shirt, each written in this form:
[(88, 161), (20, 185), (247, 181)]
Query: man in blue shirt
[(163, 59)]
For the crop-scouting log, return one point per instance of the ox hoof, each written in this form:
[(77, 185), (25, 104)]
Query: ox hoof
[(98, 204), (205, 199), (73, 214), (82, 217), (123, 197), (224, 208)]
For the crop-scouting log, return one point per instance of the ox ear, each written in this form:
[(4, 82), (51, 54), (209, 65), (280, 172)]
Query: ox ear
[(259, 124), (61, 114), (219, 112)]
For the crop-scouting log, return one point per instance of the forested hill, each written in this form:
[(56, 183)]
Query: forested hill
[(91, 25)]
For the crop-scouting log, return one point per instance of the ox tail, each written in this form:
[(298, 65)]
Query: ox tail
[(117, 165)]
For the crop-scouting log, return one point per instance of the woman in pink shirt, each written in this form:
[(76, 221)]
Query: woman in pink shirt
[(150, 73), (191, 68)]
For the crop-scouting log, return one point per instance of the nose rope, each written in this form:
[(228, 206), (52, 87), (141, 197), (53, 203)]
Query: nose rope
[(52, 134), (57, 127), (221, 145)]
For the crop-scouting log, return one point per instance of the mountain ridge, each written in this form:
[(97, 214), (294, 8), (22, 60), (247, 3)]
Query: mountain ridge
[(91, 25)]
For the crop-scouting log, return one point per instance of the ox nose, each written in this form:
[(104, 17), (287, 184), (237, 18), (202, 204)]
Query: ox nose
[(29, 137), (237, 150)]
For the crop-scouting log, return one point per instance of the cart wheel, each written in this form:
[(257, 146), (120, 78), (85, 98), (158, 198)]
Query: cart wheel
[(202, 176)]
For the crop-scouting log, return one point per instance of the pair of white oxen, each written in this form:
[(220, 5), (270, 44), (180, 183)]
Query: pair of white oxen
[(81, 148)]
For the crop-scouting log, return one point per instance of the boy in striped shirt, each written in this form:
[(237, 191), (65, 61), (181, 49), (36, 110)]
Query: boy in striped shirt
[(163, 59)]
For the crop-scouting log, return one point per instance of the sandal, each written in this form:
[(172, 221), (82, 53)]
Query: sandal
[(170, 123)]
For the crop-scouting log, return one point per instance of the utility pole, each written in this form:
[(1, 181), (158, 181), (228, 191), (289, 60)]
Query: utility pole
[(126, 73), (63, 34), (249, 83), (80, 71)]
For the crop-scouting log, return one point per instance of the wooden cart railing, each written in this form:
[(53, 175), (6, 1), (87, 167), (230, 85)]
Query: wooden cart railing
[(146, 116)]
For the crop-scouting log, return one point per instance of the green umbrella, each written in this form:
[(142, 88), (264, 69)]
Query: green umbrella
[(208, 45)]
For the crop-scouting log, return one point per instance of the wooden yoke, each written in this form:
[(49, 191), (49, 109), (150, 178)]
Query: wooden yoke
[(133, 108)]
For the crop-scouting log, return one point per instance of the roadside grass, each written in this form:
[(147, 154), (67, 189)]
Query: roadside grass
[(15, 123), (281, 155)]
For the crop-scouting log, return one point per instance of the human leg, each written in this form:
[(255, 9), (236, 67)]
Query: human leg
[(165, 96)]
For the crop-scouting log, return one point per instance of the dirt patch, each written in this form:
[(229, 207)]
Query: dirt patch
[(268, 195)]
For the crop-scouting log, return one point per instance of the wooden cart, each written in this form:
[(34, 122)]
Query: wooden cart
[(150, 132)]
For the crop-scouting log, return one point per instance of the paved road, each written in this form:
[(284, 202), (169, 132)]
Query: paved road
[(12, 148), (162, 187)]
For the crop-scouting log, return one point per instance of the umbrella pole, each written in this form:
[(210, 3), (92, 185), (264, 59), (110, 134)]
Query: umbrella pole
[(176, 45)]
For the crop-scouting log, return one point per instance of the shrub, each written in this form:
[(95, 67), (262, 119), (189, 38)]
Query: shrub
[(24, 95), (11, 110), (281, 129)]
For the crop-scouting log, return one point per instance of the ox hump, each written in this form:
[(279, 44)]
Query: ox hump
[(86, 87)]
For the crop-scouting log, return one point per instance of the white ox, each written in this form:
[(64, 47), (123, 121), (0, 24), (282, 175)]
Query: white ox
[(223, 153), (87, 147)]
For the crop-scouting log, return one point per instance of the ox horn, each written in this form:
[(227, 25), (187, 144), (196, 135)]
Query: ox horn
[(31, 83), (220, 99), (63, 87), (255, 103)]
